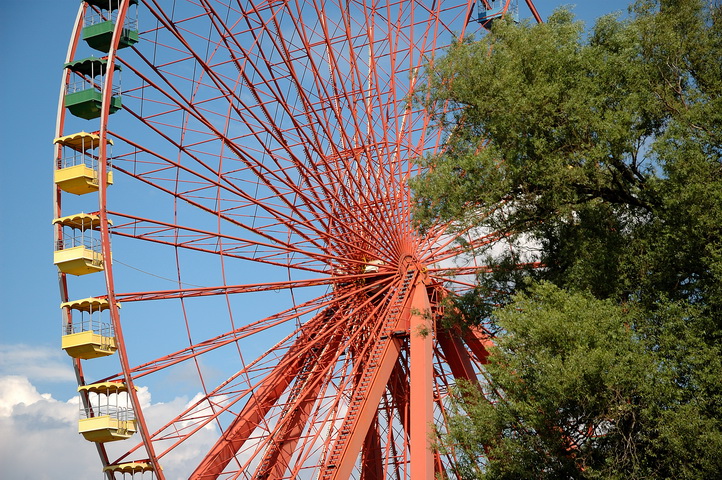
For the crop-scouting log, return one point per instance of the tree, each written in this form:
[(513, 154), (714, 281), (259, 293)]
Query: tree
[(585, 388), (566, 383), (604, 151), (618, 134)]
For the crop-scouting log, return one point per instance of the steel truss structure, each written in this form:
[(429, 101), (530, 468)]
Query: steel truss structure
[(262, 244)]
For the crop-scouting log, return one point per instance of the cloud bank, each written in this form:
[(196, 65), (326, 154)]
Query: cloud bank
[(39, 437)]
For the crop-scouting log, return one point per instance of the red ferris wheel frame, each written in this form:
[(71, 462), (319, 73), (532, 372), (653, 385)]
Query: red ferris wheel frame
[(366, 369)]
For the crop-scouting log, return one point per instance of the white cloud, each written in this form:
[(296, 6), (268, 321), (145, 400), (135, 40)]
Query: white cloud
[(179, 463), (17, 390), (36, 362), (39, 439), (39, 434)]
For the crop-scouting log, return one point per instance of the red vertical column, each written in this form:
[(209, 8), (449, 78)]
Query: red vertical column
[(421, 340)]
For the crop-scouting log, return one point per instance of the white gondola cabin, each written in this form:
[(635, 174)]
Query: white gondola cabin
[(495, 9)]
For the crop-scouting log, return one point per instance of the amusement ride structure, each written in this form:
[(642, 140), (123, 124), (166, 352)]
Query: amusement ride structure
[(248, 208)]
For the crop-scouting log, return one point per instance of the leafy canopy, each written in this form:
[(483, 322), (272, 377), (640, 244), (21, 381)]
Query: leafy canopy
[(602, 150)]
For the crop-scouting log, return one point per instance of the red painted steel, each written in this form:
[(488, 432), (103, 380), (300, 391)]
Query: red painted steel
[(371, 455), (457, 357), (128, 379), (247, 420), (421, 349), (67, 316), (276, 294)]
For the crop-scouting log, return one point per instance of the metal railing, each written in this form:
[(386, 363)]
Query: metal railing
[(94, 18), (82, 84), (81, 239), (123, 414), (78, 158), (88, 323)]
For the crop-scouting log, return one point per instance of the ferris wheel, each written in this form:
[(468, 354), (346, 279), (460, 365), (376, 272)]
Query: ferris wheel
[(244, 169)]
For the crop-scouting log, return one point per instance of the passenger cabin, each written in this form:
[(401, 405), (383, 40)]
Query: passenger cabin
[(85, 335), (373, 266), (99, 23), (381, 274), (77, 169), (78, 251), (83, 94), (131, 468), (108, 416), (490, 10)]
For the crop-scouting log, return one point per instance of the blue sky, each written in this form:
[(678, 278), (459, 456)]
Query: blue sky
[(37, 376)]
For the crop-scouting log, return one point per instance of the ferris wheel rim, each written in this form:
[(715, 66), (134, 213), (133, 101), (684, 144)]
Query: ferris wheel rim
[(404, 251)]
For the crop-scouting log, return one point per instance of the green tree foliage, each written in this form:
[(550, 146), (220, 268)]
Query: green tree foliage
[(604, 151), (586, 388), (590, 143)]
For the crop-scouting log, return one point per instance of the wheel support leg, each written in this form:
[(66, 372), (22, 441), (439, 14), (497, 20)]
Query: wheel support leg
[(422, 387), (371, 457)]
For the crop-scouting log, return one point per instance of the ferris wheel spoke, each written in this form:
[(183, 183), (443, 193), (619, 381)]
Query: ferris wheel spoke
[(271, 253), (281, 187), (263, 371), (339, 163), (236, 196), (339, 80), (277, 181), (401, 47), (317, 128), (237, 203), (294, 368), (262, 160), (293, 314), (228, 289), (370, 210), (464, 276), (241, 107), (282, 218), (226, 246), (347, 415)]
